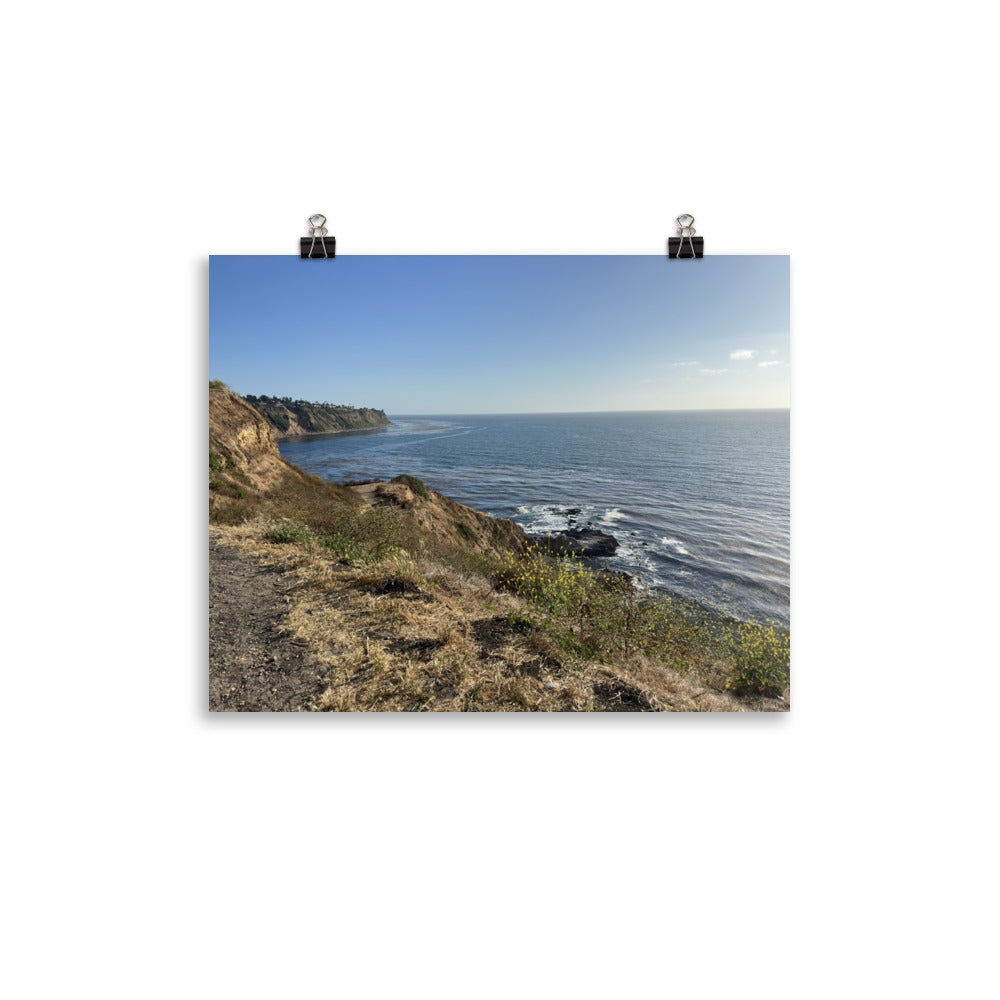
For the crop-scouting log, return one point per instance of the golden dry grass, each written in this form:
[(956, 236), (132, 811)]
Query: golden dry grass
[(410, 634)]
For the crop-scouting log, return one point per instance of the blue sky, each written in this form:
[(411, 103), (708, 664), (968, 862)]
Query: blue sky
[(504, 334)]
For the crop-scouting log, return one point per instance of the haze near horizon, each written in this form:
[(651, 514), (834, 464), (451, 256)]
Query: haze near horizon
[(503, 334)]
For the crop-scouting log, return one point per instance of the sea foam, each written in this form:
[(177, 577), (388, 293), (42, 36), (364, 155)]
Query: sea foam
[(676, 544)]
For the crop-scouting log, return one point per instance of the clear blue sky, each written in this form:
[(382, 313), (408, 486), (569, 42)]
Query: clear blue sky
[(504, 334)]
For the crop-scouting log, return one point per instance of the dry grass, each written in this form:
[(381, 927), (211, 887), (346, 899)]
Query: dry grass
[(413, 635)]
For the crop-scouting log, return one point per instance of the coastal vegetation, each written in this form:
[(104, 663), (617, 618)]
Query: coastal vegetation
[(595, 615), (414, 484), (411, 602)]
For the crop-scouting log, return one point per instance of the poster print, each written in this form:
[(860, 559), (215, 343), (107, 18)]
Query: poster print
[(499, 484)]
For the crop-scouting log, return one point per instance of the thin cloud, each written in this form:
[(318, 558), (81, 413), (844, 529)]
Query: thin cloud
[(686, 364), (713, 371), (743, 355), (767, 364)]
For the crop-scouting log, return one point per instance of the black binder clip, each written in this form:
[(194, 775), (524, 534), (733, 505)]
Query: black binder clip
[(327, 246), (685, 231)]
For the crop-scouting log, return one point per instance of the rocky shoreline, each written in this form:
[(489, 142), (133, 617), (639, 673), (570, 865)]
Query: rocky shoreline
[(588, 543), (303, 435)]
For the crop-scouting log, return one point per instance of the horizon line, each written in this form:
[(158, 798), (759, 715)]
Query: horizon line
[(578, 413)]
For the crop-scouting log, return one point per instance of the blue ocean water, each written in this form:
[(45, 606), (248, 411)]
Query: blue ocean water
[(698, 500)]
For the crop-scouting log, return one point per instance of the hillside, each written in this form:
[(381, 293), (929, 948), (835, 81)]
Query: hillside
[(248, 478), (245, 467), (388, 596), (296, 417)]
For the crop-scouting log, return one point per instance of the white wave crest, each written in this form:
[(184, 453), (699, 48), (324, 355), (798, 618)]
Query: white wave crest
[(540, 521), (676, 544)]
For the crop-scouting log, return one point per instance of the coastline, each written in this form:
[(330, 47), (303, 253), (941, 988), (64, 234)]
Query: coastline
[(701, 610), (321, 434), (642, 479), (399, 598)]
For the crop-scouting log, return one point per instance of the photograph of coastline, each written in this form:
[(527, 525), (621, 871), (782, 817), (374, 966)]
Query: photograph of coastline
[(499, 483)]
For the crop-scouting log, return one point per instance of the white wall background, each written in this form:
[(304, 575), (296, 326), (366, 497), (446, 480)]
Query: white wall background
[(154, 851)]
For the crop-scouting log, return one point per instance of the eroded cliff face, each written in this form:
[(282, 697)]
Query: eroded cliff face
[(241, 441)]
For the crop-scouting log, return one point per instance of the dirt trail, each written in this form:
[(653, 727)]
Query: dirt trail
[(253, 665)]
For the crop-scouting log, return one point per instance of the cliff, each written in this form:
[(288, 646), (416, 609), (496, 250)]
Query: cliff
[(240, 440), (296, 417), (248, 476)]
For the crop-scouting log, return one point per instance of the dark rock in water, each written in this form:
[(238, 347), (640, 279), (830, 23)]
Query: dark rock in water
[(593, 542), (579, 542), (570, 513)]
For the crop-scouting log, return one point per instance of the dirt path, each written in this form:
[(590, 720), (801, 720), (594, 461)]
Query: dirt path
[(253, 665)]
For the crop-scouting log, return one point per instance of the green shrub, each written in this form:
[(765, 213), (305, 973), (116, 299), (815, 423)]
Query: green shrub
[(377, 532), (465, 531), (226, 488), (760, 656), (343, 549), (284, 534), (415, 484), (560, 586), (215, 464), (577, 608)]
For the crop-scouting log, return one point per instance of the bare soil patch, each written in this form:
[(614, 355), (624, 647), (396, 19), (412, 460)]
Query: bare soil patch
[(254, 665)]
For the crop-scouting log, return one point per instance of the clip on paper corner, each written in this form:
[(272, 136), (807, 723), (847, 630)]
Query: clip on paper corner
[(327, 245), (695, 245)]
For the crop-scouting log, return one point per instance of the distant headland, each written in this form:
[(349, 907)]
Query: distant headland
[(298, 418)]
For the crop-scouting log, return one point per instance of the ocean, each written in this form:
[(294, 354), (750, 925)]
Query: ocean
[(698, 500)]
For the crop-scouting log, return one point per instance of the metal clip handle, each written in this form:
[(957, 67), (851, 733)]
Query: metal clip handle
[(685, 231), (317, 224)]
